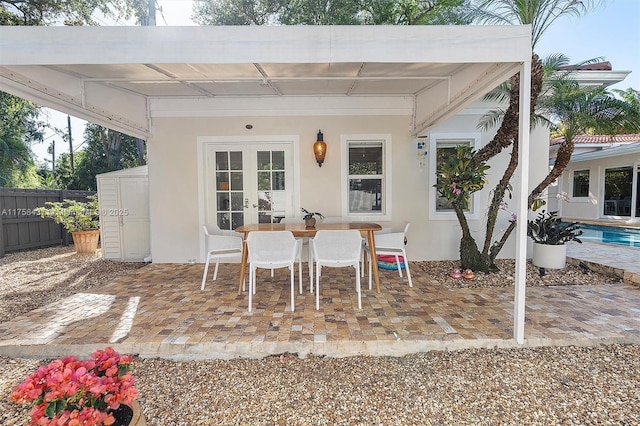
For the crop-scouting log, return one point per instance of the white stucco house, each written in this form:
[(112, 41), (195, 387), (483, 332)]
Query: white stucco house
[(602, 180), (228, 107), (231, 114)]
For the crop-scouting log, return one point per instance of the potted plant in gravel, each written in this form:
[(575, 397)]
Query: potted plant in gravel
[(309, 219), (95, 392), (549, 234), (79, 218)]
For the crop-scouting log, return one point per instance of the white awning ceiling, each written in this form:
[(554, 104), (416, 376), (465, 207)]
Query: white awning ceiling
[(122, 77)]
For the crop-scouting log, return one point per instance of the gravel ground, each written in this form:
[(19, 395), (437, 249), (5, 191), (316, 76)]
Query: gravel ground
[(541, 386), (571, 275)]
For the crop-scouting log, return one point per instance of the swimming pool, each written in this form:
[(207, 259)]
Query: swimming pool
[(611, 235)]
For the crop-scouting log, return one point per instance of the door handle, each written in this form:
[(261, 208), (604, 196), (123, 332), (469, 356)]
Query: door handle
[(255, 205), (246, 203)]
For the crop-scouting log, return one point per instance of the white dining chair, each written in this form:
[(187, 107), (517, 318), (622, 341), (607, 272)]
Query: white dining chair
[(305, 242), (220, 244), (391, 244), (337, 249), (273, 250)]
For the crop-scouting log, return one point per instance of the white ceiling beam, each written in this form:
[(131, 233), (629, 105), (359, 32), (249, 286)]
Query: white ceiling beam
[(436, 105), (92, 115)]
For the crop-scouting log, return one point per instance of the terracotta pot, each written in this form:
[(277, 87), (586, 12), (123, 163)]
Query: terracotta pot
[(130, 415), (138, 416), (86, 241), (310, 223), (549, 256)]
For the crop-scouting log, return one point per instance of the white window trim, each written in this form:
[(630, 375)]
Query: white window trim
[(475, 139), (385, 214), (585, 199)]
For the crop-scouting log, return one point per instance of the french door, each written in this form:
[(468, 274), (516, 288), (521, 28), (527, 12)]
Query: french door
[(247, 184)]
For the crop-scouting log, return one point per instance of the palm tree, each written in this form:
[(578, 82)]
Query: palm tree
[(577, 110), (540, 14)]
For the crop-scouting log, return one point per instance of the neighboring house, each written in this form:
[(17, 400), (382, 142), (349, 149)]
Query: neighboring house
[(230, 115), (590, 143), (603, 179), (585, 178)]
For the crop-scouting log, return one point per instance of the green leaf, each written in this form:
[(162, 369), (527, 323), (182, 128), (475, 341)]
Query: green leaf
[(124, 369), (54, 408)]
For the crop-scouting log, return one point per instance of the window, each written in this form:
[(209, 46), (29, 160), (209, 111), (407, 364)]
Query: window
[(580, 183), (618, 187), (367, 174), (443, 146)]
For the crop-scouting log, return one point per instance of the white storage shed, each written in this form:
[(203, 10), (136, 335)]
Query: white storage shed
[(123, 196)]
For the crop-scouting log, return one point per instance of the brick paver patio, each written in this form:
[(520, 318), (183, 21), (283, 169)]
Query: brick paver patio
[(160, 311)]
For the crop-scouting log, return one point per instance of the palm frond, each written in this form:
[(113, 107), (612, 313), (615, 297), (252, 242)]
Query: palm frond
[(491, 119), (540, 14), (500, 94)]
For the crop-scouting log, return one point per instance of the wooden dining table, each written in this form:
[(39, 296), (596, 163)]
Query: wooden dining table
[(299, 230)]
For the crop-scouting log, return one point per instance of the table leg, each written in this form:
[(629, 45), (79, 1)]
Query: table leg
[(374, 259), (243, 266)]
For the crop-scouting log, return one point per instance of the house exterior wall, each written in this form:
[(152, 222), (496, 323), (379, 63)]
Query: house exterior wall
[(590, 208), (174, 177)]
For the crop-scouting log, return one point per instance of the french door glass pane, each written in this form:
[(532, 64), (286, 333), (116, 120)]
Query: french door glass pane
[(278, 160), (271, 186), (222, 161), (236, 160), (229, 186)]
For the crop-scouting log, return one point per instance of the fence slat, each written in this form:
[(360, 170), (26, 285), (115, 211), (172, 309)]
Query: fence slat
[(21, 229)]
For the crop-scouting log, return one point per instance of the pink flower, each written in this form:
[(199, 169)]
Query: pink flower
[(80, 388)]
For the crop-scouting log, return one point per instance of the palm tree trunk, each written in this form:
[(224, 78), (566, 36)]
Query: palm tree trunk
[(506, 135), (470, 256), (562, 160)]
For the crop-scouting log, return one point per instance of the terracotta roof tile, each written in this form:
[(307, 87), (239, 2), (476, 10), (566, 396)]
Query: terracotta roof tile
[(599, 139)]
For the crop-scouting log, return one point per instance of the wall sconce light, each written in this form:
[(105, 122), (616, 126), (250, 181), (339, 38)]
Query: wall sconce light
[(320, 149)]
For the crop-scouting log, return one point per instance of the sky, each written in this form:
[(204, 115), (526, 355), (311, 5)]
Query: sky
[(611, 31)]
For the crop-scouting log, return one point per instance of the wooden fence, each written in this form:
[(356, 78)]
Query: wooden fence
[(21, 228)]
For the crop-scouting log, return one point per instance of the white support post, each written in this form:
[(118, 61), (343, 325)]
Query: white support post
[(523, 194)]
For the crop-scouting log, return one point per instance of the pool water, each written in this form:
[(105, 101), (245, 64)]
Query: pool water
[(610, 235)]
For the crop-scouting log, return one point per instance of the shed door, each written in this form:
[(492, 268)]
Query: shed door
[(248, 184), (134, 218)]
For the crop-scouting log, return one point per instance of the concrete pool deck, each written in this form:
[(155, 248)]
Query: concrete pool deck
[(623, 261)]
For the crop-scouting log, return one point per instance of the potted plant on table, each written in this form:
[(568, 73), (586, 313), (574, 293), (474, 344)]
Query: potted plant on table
[(94, 392), (309, 217), (79, 218), (549, 234)]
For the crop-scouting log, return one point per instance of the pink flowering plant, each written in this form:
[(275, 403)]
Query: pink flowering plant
[(74, 392), (458, 176)]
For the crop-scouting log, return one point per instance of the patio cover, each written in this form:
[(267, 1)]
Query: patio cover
[(122, 77)]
